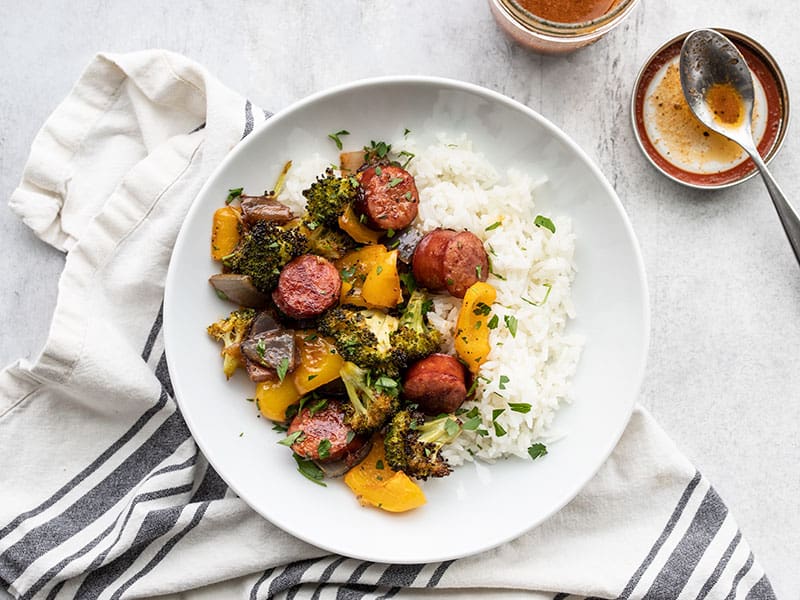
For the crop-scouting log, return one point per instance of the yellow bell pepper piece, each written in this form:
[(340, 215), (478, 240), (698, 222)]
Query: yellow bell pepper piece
[(370, 277), (320, 362), (472, 333), (375, 484), (274, 397), (226, 228), (350, 223)]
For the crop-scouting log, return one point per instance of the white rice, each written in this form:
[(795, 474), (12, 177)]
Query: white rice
[(459, 189)]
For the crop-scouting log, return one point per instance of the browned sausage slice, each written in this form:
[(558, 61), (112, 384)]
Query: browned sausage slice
[(465, 262), (325, 436), (428, 261), (388, 198), (436, 383), (307, 287)]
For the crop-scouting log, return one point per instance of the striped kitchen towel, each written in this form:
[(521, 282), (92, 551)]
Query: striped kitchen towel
[(103, 492)]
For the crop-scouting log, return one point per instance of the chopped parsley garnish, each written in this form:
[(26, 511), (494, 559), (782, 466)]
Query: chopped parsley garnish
[(261, 348), (309, 470), (493, 322), (481, 308), (498, 430), (409, 281), (478, 271), (494, 225), (520, 407), (378, 270), (407, 196), (379, 465), (496, 274), (233, 194), (511, 323), (291, 438), (347, 273), (472, 423), (541, 221), (497, 412), (503, 381), (450, 281), (378, 171), (406, 131), (549, 287), (310, 337), (478, 324), (390, 232), (324, 448), (375, 150), (408, 155), (279, 427), (353, 181), (221, 295), (395, 181), (318, 406), (335, 137), (537, 450), (283, 368)]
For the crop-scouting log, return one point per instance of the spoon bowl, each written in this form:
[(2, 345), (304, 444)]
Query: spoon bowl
[(718, 87)]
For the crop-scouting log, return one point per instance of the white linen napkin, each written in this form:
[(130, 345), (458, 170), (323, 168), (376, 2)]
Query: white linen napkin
[(103, 492)]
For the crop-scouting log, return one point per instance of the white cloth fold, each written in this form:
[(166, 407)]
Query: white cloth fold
[(103, 493)]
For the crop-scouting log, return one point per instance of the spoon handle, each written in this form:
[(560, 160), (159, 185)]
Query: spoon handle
[(787, 214)]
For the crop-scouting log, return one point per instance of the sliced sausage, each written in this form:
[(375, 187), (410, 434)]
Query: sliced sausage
[(437, 384), (307, 287), (428, 261), (328, 424), (388, 198), (464, 262), (265, 208)]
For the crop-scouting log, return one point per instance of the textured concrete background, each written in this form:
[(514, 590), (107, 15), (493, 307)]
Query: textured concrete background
[(723, 376)]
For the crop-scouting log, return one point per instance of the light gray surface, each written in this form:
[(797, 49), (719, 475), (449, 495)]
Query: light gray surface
[(723, 376)]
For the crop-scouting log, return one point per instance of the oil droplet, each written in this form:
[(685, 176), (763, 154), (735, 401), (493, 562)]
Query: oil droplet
[(725, 103)]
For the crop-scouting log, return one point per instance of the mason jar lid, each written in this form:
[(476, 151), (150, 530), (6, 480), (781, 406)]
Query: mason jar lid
[(681, 147)]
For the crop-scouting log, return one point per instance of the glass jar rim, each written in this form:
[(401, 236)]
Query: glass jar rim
[(558, 29)]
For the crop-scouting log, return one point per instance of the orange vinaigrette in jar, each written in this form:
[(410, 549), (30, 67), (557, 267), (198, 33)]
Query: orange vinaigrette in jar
[(559, 26), (568, 11)]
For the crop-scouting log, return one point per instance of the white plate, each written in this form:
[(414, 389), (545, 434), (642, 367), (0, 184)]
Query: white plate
[(479, 506)]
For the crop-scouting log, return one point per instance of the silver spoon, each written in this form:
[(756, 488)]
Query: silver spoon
[(709, 59)]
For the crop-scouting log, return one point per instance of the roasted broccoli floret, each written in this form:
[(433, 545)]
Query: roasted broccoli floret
[(231, 331), (373, 400), (364, 337), (263, 251), (328, 196), (412, 444), (414, 337), (330, 242)]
